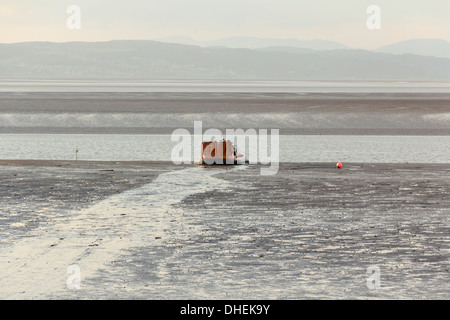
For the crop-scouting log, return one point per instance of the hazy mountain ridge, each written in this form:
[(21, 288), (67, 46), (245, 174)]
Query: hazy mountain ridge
[(426, 47), (158, 60), (258, 43)]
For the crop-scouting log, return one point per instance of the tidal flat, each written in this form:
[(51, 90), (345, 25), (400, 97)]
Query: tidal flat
[(153, 230)]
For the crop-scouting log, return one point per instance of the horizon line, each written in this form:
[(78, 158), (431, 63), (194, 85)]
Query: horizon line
[(166, 40)]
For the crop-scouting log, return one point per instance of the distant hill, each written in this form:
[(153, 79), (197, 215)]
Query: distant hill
[(158, 60), (287, 49), (258, 43), (424, 47)]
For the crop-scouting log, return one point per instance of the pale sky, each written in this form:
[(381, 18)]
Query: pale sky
[(342, 21)]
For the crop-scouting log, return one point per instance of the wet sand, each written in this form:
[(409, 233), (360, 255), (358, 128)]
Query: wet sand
[(309, 232), (293, 113)]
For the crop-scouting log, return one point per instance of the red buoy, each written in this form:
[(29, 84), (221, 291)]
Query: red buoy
[(339, 165)]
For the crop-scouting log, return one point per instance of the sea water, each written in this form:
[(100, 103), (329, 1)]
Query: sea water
[(292, 148), (151, 147)]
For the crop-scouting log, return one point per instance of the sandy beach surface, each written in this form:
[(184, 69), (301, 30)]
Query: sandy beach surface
[(153, 230), (303, 113)]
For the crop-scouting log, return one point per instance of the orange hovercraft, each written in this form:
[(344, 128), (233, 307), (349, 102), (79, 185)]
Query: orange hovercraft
[(220, 152)]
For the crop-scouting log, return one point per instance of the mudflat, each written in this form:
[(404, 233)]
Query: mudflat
[(373, 113), (148, 230)]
